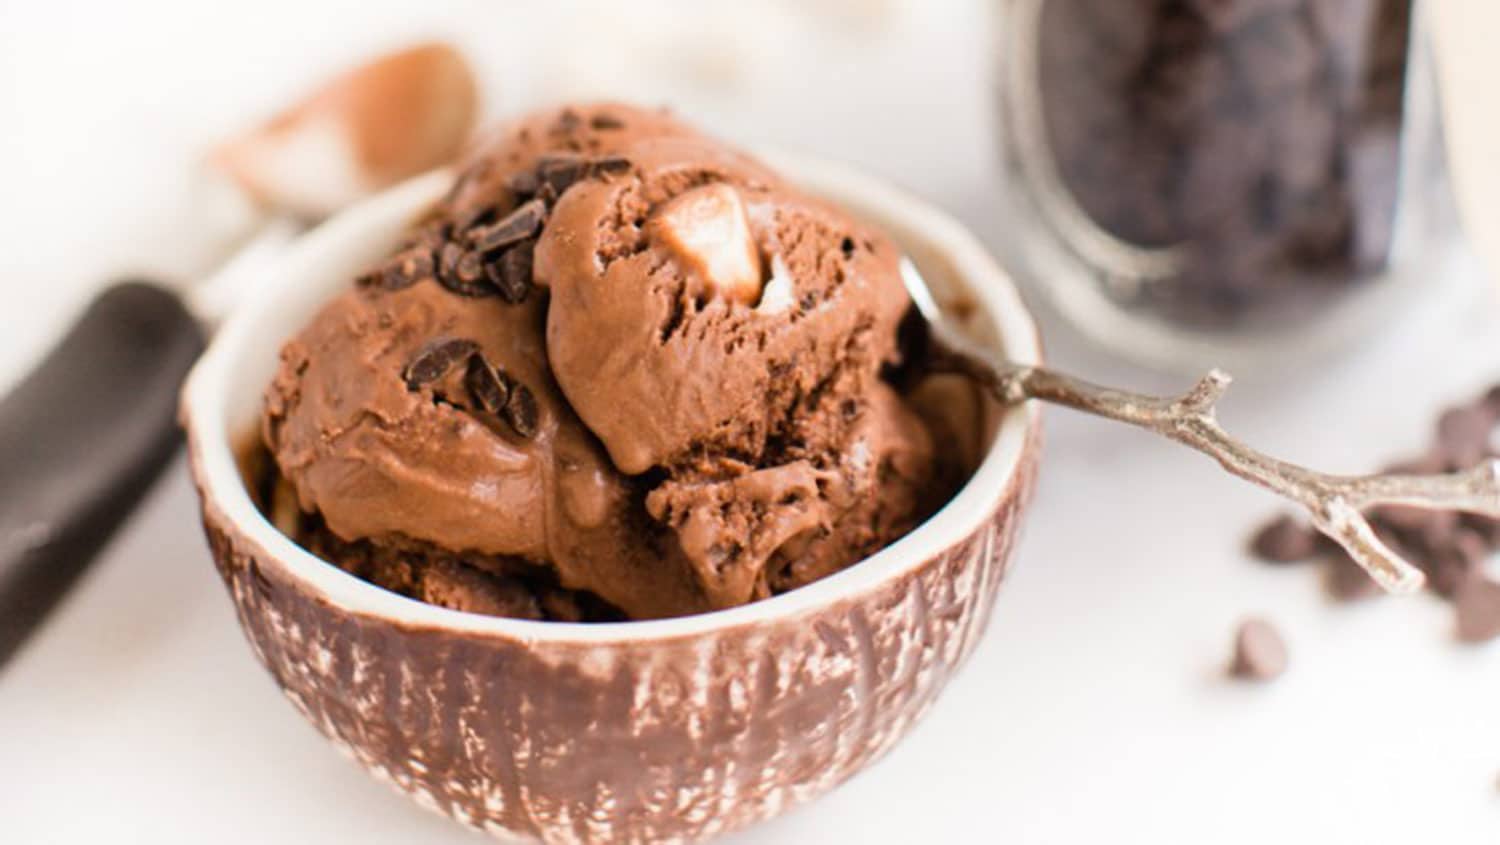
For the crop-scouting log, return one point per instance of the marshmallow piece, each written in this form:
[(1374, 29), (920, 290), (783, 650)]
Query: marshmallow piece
[(708, 229)]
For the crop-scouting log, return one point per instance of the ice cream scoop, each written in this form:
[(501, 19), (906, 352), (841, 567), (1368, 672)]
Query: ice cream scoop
[(699, 347), (85, 433)]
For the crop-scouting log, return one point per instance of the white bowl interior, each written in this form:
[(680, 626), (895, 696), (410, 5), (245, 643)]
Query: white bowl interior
[(222, 397)]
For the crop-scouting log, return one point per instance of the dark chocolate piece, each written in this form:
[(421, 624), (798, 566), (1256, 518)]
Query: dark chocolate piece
[(1259, 652), (434, 360), (486, 387), (560, 170), (525, 222), (521, 411)]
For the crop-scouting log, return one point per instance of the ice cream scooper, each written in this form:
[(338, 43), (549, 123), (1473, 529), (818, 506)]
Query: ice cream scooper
[(84, 434)]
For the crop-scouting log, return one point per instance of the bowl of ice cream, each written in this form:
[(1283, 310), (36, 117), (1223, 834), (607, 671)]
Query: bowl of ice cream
[(592, 510)]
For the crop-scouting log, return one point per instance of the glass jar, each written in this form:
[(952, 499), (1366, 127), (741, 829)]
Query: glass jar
[(1221, 181)]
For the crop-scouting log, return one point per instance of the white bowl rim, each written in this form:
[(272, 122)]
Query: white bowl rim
[(206, 392)]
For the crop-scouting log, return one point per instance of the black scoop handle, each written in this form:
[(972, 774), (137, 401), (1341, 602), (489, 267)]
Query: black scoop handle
[(81, 439)]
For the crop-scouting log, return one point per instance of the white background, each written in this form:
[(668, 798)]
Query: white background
[(1095, 710)]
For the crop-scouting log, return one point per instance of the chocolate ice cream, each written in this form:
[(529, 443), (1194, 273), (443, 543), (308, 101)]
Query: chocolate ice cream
[(621, 370)]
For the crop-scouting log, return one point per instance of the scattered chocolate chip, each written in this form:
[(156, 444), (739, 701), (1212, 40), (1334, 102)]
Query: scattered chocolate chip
[(515, 227), (1463, 434), (1449, 547), (1287, 540), (560, 170), (434, 360), (605, 120), (522, 183), (1484, 526), (521, 411), (511, 275), (846, 246), (1259, 652), (486, 387), (1491, 400), (1477, 603), (1346, 581), (609, 165), (567, 121), (1455, 561)]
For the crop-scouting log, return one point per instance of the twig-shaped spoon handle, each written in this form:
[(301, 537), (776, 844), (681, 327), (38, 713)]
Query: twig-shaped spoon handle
[(1335, 503)]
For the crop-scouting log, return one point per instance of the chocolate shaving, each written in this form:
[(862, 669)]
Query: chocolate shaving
[(486, 386), (609, 165), (462, 272), (560, 170), (522, 183), (511, 275), (515, 227), (434, 360), (606, 121), (521, 411)]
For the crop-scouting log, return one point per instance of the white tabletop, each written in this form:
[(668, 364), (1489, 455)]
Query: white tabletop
[(1094, 711)]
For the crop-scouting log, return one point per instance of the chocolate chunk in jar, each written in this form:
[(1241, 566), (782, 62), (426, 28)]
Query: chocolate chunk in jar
[(1257, 138)]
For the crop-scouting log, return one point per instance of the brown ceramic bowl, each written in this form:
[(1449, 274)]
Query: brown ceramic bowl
[(671, 730)]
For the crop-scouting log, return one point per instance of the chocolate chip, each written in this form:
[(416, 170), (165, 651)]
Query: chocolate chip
[(1491, 400), (1477, 605), (1454, 559), (1244, 131), (560, 170), (1346, 581), (604, 120), (521, 411), (1464, 434), (511, 275), (517, 226), (1287, 540), (610, 165), (567, 121), (1449, 547), (486, 387), (1259, 652), (846, 246), (434, 360), (522, 183)]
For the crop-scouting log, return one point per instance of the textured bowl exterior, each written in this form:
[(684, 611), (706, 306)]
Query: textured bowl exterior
[(627, 741)]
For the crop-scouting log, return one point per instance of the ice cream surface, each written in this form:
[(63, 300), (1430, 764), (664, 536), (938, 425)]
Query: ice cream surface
[(620, 370)]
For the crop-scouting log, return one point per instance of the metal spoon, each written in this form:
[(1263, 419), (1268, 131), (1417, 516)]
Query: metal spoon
[(86, 432), (1334, 503)]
